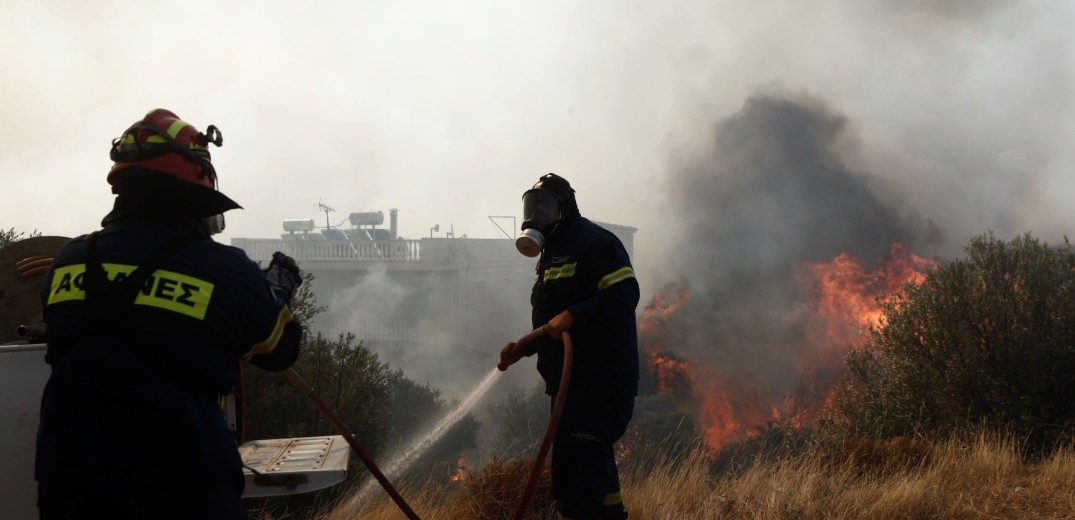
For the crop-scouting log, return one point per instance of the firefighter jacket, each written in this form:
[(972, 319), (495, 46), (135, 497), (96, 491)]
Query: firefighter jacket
[(585, 269), (133, 399)]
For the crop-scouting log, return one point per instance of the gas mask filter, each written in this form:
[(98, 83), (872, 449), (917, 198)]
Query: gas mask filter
[(530, 242), (541, 214), (214, 223)]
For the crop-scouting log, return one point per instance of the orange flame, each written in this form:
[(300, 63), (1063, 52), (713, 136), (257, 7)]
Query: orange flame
[(842, 304), (462, 470), (846, 294), (655, 316), (672, 373)]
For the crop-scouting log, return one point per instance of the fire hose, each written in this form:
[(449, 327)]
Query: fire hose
[(554, 420), (307, 390), (32, 266)]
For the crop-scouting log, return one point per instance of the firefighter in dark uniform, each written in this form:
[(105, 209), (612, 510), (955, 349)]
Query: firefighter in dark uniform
[(584, 285), (147, 321)]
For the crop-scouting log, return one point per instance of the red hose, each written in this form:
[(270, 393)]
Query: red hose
[(33, 266), (554, 423), (306, 389)]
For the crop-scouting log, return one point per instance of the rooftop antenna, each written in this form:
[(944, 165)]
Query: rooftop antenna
[(321, 206), (498, 227)]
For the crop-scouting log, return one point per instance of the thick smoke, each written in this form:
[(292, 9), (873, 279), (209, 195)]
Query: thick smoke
[(771, 192), (399, 315)]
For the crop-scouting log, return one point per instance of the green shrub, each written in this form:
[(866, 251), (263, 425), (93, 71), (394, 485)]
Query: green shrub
[(11, 236), (985, 340), (521, 420), (352, 383)]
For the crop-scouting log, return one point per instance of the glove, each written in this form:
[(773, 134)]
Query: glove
[(511, 353), (283, 276), (560, 323)]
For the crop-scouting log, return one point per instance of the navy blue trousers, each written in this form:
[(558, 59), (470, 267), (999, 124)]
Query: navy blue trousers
[(584, 474)]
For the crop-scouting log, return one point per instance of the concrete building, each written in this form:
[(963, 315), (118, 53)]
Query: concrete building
[(439, 308)]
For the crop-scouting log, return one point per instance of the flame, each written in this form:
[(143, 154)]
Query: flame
[(846, 294), (841, 306), (655, 316), (672, 373), (462, 470)]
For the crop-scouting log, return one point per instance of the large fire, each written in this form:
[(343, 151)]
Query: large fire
[(841, 306)]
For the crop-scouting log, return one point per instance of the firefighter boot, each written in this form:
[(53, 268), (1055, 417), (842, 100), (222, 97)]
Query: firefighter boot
[(614, 515)]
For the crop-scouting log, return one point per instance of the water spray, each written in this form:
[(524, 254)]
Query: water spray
[(426, 440), (444, 424), (308, 391)]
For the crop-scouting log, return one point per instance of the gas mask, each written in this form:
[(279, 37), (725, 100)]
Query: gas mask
[(541, 214), (214, 223)]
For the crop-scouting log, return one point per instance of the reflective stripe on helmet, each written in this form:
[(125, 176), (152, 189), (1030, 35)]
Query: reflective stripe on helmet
[(173, 130), (163, 141)]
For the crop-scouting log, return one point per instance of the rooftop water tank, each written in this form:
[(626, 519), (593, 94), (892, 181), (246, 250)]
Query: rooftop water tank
[(298, 225), (367, 218)]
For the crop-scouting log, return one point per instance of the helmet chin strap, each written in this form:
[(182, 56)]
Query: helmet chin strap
[(214, 224)]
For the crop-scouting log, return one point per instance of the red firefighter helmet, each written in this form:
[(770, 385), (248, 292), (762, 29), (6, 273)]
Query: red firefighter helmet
[(162, 141)]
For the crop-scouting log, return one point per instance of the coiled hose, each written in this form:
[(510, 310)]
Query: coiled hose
[(33, 265)]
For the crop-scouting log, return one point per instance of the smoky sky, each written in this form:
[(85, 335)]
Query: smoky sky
[(936, 119), (449, 111)]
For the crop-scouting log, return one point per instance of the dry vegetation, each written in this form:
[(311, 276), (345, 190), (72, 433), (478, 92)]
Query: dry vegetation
[(894, 479)]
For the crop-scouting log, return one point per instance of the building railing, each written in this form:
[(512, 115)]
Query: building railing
[(300, 250)]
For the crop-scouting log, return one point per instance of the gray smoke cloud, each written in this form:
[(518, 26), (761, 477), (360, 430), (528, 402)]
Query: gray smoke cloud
[(770, 193), (774, 189)]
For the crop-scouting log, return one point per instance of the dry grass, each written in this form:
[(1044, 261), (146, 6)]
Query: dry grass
[(894, 479), (493, 492)]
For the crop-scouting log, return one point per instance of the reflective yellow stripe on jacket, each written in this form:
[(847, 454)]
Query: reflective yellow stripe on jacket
[(564, 271), (282, 319), (166, 290), (568, 270), (615, 277)]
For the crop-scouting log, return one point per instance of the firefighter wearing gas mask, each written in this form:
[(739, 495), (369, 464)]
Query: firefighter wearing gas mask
[(584, 285), (147, 321)]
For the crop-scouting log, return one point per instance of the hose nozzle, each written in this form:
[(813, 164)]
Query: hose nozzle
[(522, 342)]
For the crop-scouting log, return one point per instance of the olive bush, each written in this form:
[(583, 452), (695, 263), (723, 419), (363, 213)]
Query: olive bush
[(985, 340)]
